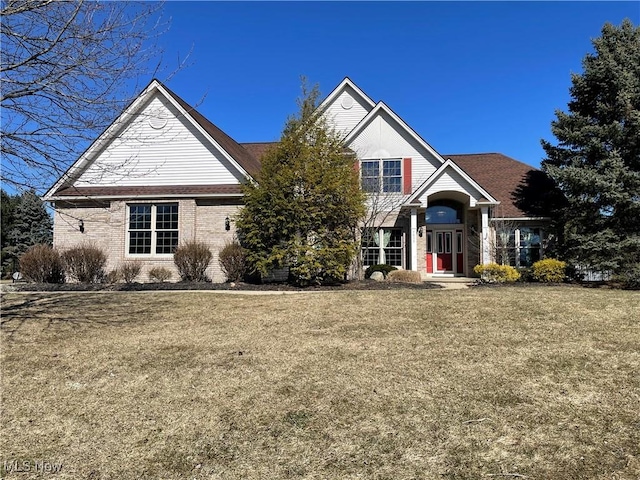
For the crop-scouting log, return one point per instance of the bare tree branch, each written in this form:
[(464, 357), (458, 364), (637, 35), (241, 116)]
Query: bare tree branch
[(68, 69)]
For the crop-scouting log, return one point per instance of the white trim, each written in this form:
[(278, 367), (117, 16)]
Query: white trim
[(158, 197), (438, 173), (381, 106), (381, 177), (153, 230), (414, 240), (339, 89), (484, 236), (203, 131)]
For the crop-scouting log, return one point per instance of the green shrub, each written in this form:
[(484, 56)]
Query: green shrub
[(160, 274), (630, 277), (85, 263), (526, 274), (192, 260), (385, 269), (42, 264), (404, 276), (549, 270), (494, 273), (129, 270), (233, 261)]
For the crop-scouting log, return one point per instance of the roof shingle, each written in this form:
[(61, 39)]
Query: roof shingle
[(497, 174)]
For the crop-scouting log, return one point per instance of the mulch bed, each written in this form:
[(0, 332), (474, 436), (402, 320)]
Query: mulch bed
[(135, 287)]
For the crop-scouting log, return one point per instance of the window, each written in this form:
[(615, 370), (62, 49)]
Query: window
[(529, 246), (383, 175), (383, 245), (444, 242), (153, 229), (443, 214), (370, 249), (393, 248), (519, 247)]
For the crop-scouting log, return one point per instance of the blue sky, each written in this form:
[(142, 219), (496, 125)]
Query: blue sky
[(469, 77)]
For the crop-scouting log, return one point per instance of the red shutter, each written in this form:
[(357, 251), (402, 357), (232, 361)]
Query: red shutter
[(406, 176), (356, 166)]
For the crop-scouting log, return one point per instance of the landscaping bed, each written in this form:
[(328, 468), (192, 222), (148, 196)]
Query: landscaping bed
[(81, 287)]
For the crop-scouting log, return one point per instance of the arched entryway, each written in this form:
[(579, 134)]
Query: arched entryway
[(445, 237)]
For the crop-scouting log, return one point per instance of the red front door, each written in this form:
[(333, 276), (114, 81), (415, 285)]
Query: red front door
[(444, 255)]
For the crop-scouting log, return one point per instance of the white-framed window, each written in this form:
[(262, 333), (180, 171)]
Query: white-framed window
[(152, 228), (383, 245), (382, 175), (519, 247)]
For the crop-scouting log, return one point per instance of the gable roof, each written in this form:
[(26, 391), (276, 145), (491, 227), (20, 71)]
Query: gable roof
[(382, 107), (239, 154), (493, 173), (499, 174), (228, 147), (450, 165), (346, 82)]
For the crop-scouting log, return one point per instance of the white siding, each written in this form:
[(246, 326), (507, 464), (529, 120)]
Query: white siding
[(451, 181), (345, 119), (382, 137), (176, 154)]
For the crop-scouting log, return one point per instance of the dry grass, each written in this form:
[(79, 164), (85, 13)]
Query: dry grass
[(537, 382)]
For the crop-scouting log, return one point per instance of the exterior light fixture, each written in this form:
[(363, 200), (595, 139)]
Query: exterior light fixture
[(81, 226), (420, 231), (227, 224)]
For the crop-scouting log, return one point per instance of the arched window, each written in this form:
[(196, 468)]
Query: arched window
[(443, 214)]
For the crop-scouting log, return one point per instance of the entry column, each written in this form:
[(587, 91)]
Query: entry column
[(484, 233), (414, 240)]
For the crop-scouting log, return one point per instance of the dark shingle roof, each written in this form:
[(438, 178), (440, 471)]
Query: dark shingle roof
[(258, 149), (497, 174)]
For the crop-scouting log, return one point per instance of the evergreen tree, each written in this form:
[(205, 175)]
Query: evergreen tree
[(31, 225), (304, 210), (8, 204), (596, 163)]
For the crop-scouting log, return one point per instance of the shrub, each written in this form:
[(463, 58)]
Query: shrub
[(192, 260), (630, 277), (85, 263), (385, 269), (233, 261), (494, 273), (130, 270), (114, 276), (42, 264), (526, 274), (160, 274), (404, 276), (549, 270)]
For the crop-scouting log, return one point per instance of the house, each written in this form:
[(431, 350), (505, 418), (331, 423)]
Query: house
[(162, 174)]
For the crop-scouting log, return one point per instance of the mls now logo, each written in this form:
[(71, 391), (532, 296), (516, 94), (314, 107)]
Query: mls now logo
[(33, 466)]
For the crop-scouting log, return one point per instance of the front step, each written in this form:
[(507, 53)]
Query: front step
[(443, 279)]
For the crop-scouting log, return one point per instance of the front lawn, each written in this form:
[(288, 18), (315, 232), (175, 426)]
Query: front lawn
[(514, 382)]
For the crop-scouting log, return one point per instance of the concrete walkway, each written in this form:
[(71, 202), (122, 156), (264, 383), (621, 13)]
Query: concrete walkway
[(452, 283)]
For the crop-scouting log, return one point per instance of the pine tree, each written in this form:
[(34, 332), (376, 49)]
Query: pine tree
[(8, 258), (304, 210), (32, 223), (596, 163)]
